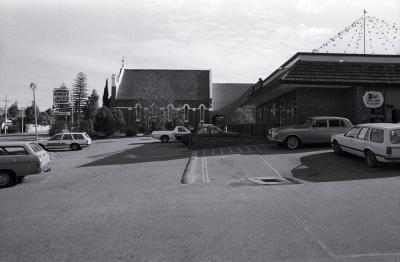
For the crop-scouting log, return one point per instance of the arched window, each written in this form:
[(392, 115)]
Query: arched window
[(186, 110), (137, 107), (201, 110)]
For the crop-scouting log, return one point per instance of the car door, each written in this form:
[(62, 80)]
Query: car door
[(359, 142), (346, 142), (320, 133), (180, 132), (54, 142), (66, 141), (335, 127), (376, 142)]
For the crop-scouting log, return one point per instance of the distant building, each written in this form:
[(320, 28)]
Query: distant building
[(363, 88), (226, 98), (190, 88)]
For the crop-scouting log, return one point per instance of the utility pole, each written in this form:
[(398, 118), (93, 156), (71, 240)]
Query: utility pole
[(33, 87), (364, 29), (5, 120), (22, 123)]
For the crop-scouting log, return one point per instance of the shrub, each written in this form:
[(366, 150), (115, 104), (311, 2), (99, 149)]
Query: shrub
[(56, 128), (131, 131), (109, 121)]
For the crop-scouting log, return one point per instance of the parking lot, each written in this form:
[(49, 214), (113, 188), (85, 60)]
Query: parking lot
[(122, 199)]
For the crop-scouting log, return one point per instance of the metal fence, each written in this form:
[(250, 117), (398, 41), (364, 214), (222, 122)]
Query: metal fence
[(255, 130)]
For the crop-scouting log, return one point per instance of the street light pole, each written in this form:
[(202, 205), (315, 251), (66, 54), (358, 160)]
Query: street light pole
[(33, 87)]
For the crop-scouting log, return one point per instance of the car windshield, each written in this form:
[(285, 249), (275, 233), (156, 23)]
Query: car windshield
[(395, 136), (307, 123)]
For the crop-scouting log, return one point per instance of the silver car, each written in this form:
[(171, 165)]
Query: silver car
[(19, 159), (314, 130)]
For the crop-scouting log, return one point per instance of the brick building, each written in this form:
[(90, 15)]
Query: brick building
[(312, 84), (190, 91)]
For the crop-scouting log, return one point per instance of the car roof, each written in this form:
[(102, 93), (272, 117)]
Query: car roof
[(380, 125), (330, 117), (16, 143)]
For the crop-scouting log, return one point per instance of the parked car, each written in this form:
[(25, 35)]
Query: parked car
[(170, 135), (20, 159), (73, 141), (376, 142), (208, 130), (313, 130)]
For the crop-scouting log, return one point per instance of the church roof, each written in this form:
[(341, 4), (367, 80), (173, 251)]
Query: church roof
[(186, 84)]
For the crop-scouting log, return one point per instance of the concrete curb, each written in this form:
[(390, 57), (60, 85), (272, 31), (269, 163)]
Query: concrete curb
[(188, 176)]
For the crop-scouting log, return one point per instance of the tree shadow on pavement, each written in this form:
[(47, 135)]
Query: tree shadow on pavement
[(149, 152), (329, 167)]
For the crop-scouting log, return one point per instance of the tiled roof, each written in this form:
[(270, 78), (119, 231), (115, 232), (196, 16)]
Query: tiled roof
[(186, 84), (343, 73)]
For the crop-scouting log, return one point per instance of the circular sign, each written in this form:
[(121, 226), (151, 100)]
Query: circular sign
[(373, 99), (61, 96)]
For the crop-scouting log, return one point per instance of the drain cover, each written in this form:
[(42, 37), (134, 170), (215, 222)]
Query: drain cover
[(271, 180)]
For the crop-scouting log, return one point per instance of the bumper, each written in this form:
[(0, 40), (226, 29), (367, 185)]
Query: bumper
[(275, 139)]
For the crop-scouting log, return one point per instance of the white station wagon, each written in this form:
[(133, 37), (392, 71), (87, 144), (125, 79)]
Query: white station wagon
[(376, 142)]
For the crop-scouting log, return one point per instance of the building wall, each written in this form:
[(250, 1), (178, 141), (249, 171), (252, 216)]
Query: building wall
[(314, 101)]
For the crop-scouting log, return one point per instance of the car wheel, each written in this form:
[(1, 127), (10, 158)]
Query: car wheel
[(164, 139), (370, 159), (336, 148), (75, 147), (7, 179), (292, 142)]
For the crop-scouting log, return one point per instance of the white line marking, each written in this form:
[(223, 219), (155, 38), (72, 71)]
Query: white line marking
[(268, 164), (206, 170), (202, 168), (240, 150), (369, 255), (230, 149)]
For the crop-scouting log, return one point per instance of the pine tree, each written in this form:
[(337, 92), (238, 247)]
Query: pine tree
[(106, 100), (79, 95)]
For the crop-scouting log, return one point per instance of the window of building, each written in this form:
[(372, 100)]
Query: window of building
[(201, 112)]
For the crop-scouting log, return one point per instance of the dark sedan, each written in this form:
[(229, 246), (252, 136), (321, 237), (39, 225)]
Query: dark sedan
[(207, 131)]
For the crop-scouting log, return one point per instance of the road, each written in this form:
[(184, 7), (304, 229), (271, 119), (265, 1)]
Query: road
[(122, 200)]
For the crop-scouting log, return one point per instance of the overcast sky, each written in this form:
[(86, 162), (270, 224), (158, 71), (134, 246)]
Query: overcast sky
[(49, 42)]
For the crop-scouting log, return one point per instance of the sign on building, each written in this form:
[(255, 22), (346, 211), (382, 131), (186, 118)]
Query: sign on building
[(60, 96), (373, 99)]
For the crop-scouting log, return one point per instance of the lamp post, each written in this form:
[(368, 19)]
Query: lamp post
[(33, 87)]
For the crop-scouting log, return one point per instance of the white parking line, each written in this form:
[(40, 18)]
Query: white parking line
[(269, 165), (206, 170), (202, 168)]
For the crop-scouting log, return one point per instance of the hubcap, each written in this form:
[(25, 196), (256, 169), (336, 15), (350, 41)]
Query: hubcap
[(292, 143), (4, 178)]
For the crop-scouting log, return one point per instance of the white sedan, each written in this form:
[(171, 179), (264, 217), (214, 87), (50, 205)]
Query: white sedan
[(376, 142)]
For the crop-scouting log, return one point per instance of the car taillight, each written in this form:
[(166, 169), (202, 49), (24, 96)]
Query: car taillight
[(388, 151)]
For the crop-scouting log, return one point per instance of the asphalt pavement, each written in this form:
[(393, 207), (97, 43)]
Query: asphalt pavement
[(122, 200)]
